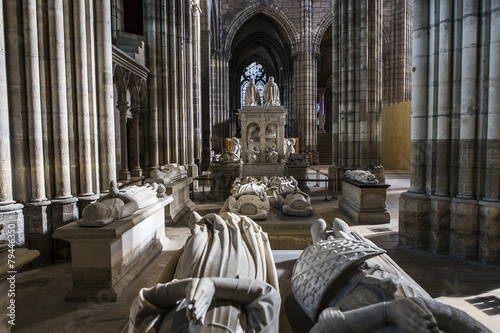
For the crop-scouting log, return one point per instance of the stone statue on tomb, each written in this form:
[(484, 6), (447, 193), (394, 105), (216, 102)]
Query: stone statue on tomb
[(271, 93), (236, 148), (170, 173), (358, 288), (248, 198), (223, 280), (361, 176), (272, 154), (289, 148), (252, 95), (294, 202), (253, 152), (112, 207)]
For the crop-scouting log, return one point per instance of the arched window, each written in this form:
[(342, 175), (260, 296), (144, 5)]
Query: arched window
[(256, 71)]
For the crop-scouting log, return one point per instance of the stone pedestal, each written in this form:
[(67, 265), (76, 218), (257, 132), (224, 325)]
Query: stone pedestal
[(7, 280), (414, 217), (439, 241), (263, 169), (105, 260), (489, 232), (464, 228), (11, 216), (299, 172), (38, 230), (63, 212), (224, 175), (364, 203)]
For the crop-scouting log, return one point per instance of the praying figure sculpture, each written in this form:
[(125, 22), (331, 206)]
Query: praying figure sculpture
[(252, 96), (271, 93)]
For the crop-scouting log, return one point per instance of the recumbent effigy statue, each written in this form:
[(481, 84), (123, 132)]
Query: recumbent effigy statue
[(345, 283), (223, 280)]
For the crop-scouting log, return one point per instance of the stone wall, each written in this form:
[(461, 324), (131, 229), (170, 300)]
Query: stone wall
[(453, 204)]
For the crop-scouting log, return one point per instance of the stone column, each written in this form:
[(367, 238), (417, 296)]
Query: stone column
[(174, 76), (82, 98), (183, 108), (10, 212), (64, 208), (196, 42), (440, 201), (104, 79), (124, 172), (136, 150), (464, 224), (192, 167), (39, 228), (92, 90), (357, 61), (414, 204), (489, 207), (152, 83)]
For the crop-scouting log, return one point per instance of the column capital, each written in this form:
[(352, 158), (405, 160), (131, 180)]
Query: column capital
[(136, 110), (122, 106)]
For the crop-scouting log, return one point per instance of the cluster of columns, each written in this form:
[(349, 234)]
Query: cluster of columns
[(397, 51), (453, 204), (172, 36), (305, 62), (52, 168), (357, 84)]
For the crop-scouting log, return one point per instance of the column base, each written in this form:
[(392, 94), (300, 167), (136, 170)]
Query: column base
[(39, 231), (137, 172), (64, 211), (12, 217), (414, 217), (489, 232), (124, 175), (464, 229), (440, 225)]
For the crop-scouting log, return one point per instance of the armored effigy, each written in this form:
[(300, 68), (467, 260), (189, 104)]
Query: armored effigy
[(345, 283)]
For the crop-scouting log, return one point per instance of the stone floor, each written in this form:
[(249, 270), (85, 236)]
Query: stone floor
[(472, 287)]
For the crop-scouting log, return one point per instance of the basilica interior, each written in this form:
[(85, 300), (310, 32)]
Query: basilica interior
[(147, 102)]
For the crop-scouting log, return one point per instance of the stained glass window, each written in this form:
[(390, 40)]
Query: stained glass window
[(256, 71)]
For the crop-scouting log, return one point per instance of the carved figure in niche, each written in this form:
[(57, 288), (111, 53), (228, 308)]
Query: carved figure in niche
[(223, 280), (114, 206), (359, 288), (270, 131), (272, 154), (252, 95), (361, 176), (288, 148), (294, 202), (170, 173), (271, 93), (253, 152)]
